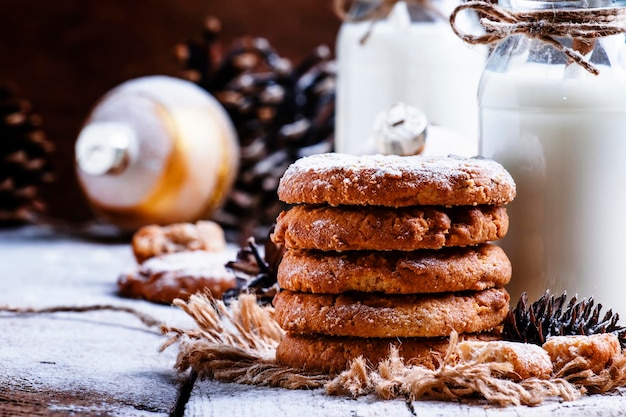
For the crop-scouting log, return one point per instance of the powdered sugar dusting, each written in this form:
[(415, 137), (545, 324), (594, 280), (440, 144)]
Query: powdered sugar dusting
[(190, 263), (394, 165)]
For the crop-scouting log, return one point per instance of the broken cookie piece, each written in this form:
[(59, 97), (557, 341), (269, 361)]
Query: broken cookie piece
[(178, 275), (527, 361), (596, 351), (153, 240)]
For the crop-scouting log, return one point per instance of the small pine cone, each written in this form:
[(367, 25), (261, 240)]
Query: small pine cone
[(256, 274), (24, 160), (281, 113), (551, 316)]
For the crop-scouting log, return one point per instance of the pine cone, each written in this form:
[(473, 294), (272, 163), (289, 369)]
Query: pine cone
[(280, 113), (24, 165), (545, 318), (256, 274)]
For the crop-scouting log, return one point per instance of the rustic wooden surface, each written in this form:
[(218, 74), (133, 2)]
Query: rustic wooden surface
[(107, 363)]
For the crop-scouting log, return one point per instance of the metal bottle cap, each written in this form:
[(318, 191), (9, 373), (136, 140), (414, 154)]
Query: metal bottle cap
[(104, 148), (400, 130)]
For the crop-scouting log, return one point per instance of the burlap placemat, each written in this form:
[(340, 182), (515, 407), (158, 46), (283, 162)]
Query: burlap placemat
[(237, 343)]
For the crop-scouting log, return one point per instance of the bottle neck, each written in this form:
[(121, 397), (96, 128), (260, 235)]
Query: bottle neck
[(411, 10), (361, 9)]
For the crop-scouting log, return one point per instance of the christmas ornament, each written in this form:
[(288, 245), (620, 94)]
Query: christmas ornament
[(156, 150), (281, 113), (25, 165), (547, 317)]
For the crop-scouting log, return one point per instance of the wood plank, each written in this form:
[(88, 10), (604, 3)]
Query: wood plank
[(211, 399), (93, 363)]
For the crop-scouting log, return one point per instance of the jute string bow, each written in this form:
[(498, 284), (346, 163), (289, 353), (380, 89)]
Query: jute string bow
[(583, 26)]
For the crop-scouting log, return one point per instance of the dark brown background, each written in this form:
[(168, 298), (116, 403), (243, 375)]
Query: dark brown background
[(63, 55)]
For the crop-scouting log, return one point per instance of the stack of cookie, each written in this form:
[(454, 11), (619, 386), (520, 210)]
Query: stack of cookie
[(389, 250)]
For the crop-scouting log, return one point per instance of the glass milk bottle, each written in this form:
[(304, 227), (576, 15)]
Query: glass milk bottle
[(561, 132), (410, 56)]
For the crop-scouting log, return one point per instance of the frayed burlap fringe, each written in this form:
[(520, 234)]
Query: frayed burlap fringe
[(238, 344), (452, 380), (578, 373), (235, 344)]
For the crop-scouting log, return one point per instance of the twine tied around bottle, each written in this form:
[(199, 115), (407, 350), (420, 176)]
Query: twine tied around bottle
[(380, 9), (583, 26)]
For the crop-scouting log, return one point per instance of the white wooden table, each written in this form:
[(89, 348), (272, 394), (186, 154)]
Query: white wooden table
[(107, 363)]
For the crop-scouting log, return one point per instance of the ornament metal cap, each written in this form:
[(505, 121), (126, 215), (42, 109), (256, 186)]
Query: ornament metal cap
[(400, 130), (104, 148)]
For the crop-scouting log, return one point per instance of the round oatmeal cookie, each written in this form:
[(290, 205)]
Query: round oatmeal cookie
[(377, 315), (383, 229), (395, 181), (333, 354), (163, 278), (150, 241), (423, 271)]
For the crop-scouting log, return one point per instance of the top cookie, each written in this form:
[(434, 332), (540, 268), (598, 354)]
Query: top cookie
[(395, 181)]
